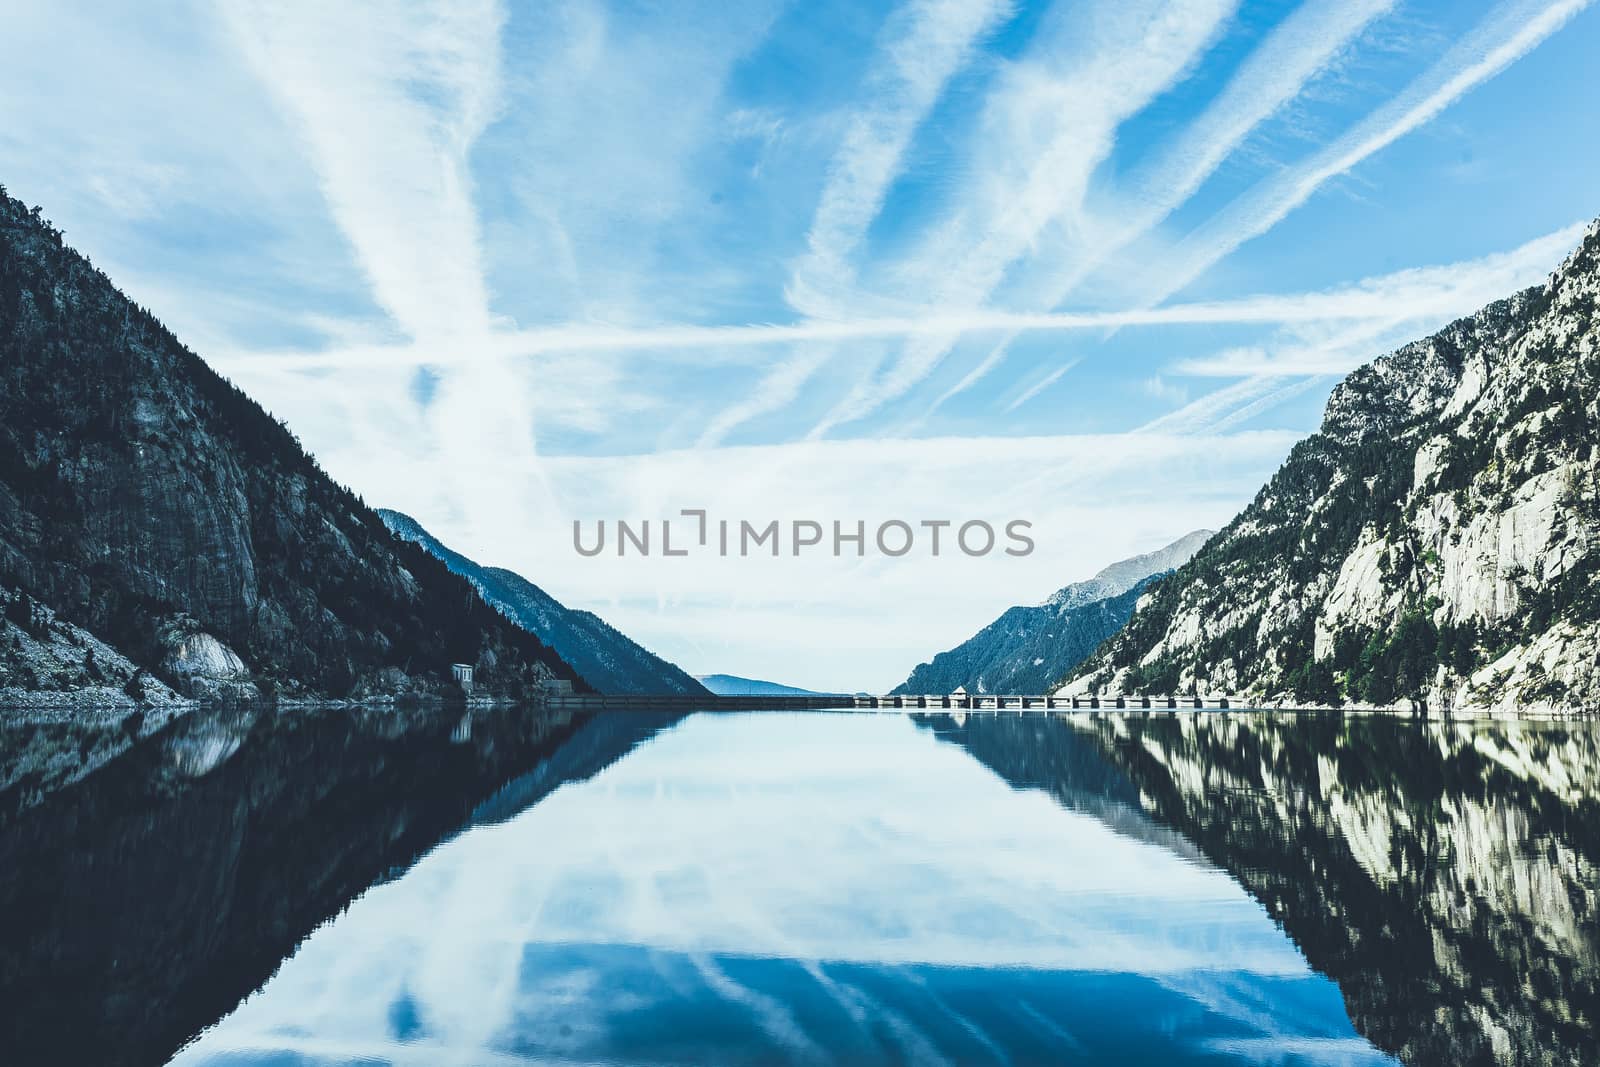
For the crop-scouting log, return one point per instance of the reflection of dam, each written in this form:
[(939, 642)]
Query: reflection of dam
[(1446, 875), (903, 702), (231, 835)]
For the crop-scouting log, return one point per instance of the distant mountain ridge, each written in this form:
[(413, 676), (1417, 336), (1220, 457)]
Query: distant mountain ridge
[(1029, 649), (1437, 541), (149, 502), (731, 685), (1119, 577), (607, 659)]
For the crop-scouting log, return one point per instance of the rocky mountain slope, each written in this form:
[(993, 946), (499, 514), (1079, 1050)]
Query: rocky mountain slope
[(47, 664), (1028, 649), (607, 658), (1437, 541), (146, 500)]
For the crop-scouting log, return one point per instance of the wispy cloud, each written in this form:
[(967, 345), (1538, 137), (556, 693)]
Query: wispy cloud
[(1422, 299), (1297, 51), (777, 388), (1041, 385), (1511, 32), (1416, 301), (390, 102), (1199, 415), (1413, 294), (1045, 129), (921, 48)]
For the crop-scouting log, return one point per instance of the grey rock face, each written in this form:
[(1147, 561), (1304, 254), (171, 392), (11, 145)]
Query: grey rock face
[(1123, 575), (1031, 649), (1437, 541), (201, 665), (49, 665), (138, 487)]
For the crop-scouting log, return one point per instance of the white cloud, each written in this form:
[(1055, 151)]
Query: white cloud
[(390, 101), (1048, 125), (756, 615), (1041, 385), (390, 104), (924, 44), (1418, 302), (1415, 294), (1511, 32), (1297, 51)]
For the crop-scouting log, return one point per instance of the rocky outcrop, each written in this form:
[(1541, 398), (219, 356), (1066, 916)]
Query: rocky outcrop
[(606, 658), (1437, 541), (139, 491), (201, 665), (1030, 649), (48, 665)]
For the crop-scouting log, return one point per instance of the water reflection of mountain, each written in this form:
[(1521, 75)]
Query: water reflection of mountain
[(1033, 752), (142, 903), (1443, 873)]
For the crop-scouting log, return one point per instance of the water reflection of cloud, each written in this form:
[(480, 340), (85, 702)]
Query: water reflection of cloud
[(776, 870)]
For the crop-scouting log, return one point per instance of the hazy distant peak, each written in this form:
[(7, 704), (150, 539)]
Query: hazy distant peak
[(1123, 575), (731, 685)]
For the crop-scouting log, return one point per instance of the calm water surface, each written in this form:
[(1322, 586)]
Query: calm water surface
[(517, 887)]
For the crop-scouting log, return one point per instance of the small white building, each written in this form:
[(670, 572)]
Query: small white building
[(462, 673)]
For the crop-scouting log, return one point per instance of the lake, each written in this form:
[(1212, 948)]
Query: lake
[(520, 886)]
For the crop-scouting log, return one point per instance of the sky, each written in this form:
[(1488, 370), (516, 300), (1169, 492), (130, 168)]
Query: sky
[(1093, 265)]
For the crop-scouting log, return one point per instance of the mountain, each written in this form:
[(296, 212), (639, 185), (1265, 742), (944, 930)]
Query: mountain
[(1122, 576), (731, 685), (607, 659), (149, 502), (1437, 541), (1029, 649)]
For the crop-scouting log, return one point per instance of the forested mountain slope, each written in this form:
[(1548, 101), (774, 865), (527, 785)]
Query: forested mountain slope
[(1031, 647), (607, 658), (150, 502)]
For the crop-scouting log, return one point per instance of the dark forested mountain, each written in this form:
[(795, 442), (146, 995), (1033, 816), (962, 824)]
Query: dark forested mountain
[(607, 658), (146, 500), (1438, 540), (1028, 649)]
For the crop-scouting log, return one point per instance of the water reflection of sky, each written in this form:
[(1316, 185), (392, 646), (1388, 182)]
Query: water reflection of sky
[(795, 888)]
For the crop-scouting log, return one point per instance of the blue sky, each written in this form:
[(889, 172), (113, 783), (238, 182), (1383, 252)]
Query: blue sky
[(503, 266)]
